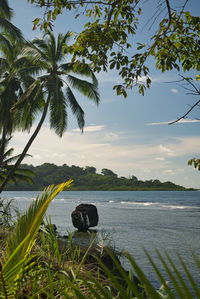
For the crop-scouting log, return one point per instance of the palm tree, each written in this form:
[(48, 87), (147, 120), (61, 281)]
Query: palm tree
[(14, 72), (15, 77), (8, 32), (56, 83), (6, 165)]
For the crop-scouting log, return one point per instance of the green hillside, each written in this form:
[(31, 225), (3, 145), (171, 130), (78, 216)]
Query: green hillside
[(87, 179)]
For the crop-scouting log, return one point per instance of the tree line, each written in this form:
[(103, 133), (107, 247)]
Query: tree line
[(86, 178)]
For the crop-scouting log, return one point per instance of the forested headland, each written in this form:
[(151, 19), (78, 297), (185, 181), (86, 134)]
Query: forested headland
[(87, 178)]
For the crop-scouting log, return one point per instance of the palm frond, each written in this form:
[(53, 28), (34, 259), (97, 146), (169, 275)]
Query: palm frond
[(61, 40), (51, 48), (84, 87), (79, 68), (10, 29), (58, 113), (34, 87), (21, 176), (30, 222), (149, 288), (5, 45), (183, 285), (37, 52), (5, 10), (22, 239), (25, 66), (189, 276), (3, 65), (41, 47), (76, 108)]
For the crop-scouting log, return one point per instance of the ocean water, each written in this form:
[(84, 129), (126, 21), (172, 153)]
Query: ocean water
[(163, 220)]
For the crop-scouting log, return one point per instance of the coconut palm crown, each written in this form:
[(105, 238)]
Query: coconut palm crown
[(59, 80)]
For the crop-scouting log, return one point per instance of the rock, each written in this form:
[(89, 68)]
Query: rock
[(85, 216)]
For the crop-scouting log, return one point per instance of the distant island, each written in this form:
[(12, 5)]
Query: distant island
[(88, 179)]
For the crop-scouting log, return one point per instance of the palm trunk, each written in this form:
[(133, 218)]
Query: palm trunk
[(23, 154), (3, 143)]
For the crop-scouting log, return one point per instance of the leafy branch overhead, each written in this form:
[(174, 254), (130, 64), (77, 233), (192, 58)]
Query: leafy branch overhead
[(195, 162), (105, 38)]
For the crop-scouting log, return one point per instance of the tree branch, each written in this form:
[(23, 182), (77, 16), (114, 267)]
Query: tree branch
[(169, 13), (184, 116)]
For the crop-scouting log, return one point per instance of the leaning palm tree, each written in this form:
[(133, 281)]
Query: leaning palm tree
[(56, 83)]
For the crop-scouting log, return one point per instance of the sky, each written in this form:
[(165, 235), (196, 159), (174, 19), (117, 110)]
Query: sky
[(129, 136)]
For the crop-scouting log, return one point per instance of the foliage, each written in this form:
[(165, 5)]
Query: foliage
[(83, 180), (52, 91), (6, 161), (8, 212), (58, 81), (17, 259), (6, 26), (195, 162), (104, 39), (108, 172)]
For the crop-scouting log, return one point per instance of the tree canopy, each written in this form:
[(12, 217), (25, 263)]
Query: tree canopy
[(49, 173), (105, 38), (111, 24)]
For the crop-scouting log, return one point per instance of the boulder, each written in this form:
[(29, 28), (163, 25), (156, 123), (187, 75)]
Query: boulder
[(85, 216)]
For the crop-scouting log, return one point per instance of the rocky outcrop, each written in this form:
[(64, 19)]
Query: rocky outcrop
[(84, 217)]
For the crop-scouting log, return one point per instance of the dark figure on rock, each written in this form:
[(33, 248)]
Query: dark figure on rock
[(85, 216)]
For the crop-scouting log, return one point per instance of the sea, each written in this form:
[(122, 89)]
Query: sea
[(133, 220)]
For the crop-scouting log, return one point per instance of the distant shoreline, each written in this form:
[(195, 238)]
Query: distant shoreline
[(87, 179), (77, 189)]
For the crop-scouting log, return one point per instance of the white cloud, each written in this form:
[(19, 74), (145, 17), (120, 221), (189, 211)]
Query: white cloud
[(163, 78), (111, 136), (71, 147), (144, 160), (110, 76), (169, 171), (174, 90), (185, 146), (94, 128), (37, 157), (166, 151), (182, 121), (160, 159)]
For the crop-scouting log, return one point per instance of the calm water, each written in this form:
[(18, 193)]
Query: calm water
[(161, 219)]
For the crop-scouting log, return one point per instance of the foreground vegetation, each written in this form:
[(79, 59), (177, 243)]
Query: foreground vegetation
[(87, 179), (36, 263)]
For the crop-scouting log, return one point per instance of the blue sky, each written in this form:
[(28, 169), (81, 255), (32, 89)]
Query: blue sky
[(130, 136)]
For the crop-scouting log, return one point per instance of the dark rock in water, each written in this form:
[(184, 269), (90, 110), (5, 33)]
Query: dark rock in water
[(85, 216)]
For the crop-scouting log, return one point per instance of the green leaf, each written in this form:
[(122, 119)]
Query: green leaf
[(198, 77)]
